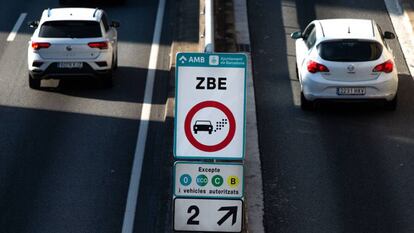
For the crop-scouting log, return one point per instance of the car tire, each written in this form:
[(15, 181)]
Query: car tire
[(297, 71), (115, 62), (391, 105), (107, 80), (34, 83), (305, 104)]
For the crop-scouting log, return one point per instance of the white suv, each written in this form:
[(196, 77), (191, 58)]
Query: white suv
[(345, 60), (71, 42)]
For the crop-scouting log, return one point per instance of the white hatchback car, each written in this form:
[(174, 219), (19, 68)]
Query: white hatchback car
[(345, 59), (71, 42)]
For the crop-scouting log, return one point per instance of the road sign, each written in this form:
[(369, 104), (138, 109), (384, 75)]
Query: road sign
[(208, 180), (209, 215), (210, 106)]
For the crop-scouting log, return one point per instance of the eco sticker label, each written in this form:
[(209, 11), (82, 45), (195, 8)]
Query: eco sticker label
[(208, 180)]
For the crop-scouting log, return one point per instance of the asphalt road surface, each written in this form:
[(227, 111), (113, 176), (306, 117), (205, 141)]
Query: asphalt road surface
[(343, 168), (66, 151)]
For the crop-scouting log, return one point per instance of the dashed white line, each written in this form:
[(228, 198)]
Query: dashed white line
[(16, 27), (131, 205)]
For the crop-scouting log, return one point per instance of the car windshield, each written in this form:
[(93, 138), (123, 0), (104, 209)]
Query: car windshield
[(70, 29), (201, 122), (350, 50)]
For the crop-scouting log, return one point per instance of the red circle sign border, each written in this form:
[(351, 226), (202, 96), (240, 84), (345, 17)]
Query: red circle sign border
[(193, 140)]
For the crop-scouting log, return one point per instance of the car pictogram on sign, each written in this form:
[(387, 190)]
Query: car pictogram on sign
[(202, 125)]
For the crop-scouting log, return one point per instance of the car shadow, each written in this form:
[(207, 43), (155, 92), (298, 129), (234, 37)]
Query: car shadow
[(128, 86)]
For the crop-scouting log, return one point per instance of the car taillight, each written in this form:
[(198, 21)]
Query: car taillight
[(386, 67), (315, 67), (40, 45), (98, 45)]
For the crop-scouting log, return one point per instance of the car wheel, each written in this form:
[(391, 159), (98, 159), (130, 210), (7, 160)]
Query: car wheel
[(115, 62), (297, 71), (305, 104), (391, 105), (195, 131), (107, 80), (34, 83)]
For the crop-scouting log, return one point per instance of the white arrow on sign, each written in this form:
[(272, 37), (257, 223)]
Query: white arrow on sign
[(182, 59), (209, 215)]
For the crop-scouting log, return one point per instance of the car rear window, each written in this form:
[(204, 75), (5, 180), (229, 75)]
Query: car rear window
[(70, 29), (350, 50)]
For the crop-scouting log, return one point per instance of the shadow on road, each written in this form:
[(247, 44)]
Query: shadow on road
[(128, 86)]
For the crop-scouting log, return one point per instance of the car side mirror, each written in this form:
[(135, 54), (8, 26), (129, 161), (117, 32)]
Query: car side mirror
[(389, 35), (33, 24), (115, 24), (296, 35)]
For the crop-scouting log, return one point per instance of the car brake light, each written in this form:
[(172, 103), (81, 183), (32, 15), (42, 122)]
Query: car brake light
[(40, 45), (386, 67), (98, 45), (315, 67)]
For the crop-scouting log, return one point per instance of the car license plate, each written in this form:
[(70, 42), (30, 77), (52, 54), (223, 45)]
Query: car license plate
[(350, 90), (70, 65)]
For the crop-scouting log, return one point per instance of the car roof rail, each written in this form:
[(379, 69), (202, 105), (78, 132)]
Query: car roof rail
[(48, 12), (373, 27), (323, 32), (94, 13)]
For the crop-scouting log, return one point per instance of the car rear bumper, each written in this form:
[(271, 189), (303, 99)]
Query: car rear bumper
[(384, 87), (53, 72)]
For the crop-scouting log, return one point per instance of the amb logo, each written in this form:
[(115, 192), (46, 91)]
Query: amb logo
[(196, 60), (183, 59)]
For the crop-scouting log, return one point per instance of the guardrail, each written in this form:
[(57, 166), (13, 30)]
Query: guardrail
[(209, 26)]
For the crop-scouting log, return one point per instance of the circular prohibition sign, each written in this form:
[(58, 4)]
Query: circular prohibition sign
[(220, 145)]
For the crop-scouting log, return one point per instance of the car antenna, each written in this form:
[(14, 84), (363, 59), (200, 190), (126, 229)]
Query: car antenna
[(94, 13), (48, 12), (349, 29)]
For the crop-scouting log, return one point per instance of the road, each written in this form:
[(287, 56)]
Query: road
[(66, 151), (343, 168)]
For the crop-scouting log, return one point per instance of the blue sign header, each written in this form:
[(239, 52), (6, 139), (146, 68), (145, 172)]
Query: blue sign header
[(211, 60)]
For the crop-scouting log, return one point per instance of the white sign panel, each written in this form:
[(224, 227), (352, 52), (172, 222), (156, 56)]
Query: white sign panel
[(210, 106), (208, 180), (209, 215)]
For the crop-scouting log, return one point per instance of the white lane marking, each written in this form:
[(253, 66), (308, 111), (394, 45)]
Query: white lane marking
[(16, 27), (131, 205), (404, 31)]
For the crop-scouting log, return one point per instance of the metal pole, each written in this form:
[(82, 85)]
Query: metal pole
[(209, 26)]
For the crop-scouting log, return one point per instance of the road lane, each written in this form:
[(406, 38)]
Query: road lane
[(66, 151), (343, 168)]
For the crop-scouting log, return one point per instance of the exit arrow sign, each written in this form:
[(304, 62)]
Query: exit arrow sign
[(231, 211), (208, 215)]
